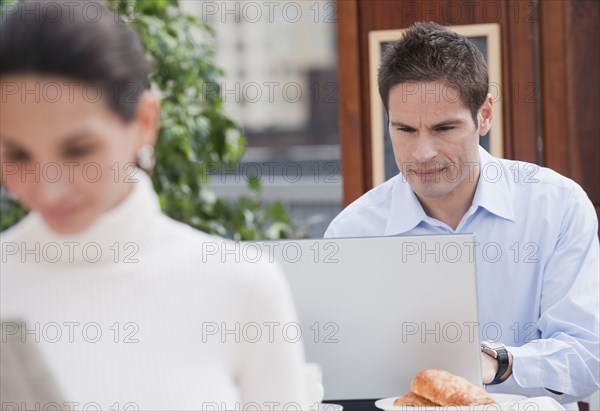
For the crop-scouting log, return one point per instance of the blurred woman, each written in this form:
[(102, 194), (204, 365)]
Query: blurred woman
[(128, 308)]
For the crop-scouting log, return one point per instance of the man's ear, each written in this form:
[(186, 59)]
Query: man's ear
[(148, 118), (484, 115)]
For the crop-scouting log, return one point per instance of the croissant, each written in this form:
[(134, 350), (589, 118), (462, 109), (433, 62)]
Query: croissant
[(445, 388)]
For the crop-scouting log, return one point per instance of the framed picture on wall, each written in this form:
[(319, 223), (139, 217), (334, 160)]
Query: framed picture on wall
[(487, 39)]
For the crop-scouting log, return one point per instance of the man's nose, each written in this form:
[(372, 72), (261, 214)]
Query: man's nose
[(425, 149)]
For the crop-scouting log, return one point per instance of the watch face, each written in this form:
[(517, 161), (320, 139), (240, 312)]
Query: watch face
[(492, 345)]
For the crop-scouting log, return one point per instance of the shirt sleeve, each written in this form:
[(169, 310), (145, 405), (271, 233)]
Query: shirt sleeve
[(566, 357), (330, 233), (272, 374)]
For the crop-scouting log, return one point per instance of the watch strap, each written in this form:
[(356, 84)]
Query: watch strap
[(502, 358)]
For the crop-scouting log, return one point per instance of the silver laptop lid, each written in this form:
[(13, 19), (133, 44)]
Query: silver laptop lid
[(376, 311)]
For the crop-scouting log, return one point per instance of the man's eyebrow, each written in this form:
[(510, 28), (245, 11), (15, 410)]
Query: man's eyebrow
[(449, 122), (444, 123), (400, 124)]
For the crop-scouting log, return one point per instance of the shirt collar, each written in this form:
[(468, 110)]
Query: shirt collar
[(406, 211), (492, 193)]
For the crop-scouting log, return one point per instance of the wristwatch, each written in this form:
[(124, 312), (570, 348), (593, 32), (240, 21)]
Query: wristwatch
[(500, 353)]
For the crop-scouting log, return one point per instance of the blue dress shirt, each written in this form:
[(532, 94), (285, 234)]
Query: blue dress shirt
[(537, 267)]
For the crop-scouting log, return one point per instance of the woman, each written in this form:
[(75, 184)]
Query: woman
[(125, 305)]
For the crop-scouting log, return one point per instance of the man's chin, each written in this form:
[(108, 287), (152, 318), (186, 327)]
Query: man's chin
[(431, 191)]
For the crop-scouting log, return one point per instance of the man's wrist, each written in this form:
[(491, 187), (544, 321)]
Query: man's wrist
[(499, 359)]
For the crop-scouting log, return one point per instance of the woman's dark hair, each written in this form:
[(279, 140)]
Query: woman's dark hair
[(429, 52), (81, 40)]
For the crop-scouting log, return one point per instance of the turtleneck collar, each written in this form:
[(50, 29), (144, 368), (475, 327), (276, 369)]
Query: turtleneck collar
[(115, 236)]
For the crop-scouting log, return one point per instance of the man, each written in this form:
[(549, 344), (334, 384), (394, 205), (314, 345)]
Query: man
[(537, 245)]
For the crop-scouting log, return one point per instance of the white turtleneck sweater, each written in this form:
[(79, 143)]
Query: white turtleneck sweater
[(178, 330)]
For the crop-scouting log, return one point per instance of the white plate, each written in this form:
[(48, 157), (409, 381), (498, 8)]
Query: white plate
[(387, 404)]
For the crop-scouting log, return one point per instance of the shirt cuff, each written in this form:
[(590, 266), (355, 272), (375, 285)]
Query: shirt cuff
[(528, 370), (526, 367)]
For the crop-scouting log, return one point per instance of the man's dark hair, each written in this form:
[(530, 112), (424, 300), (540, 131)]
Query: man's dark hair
[(58, 38), (429, 52)]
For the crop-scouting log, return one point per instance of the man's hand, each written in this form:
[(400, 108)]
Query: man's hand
[(489, 368)]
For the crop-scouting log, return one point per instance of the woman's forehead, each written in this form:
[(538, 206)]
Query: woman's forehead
[(41, 89), (50, 109)]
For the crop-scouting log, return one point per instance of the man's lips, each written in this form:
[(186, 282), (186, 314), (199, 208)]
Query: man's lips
[(427, 171), (428, 174)]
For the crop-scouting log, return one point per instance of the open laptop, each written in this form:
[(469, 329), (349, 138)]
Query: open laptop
[(376, 311)]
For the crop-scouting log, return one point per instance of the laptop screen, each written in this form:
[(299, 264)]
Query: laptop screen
[(374, 312)]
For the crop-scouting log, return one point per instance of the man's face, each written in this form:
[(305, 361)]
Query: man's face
[(435, 140)]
